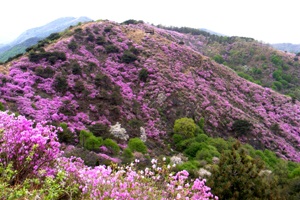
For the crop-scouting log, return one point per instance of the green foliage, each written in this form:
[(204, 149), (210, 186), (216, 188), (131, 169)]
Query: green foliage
[(192, 149), (127, 155), (185, 126), (112, 145), (93, 143), (76, 69), (132, 21), (246, 76), (47, 72), (190, 166), (276, 60), (295, 173), (238, 176), (100, 40), (219, 59), (177, 138), (128, 57), (65, 135), (111, 49), (2, 107), (72, 45), (143, 74), (89, 141), (241, 127), (53, 36), (52, 57), (136, 144), (60, 84), (201, 123), (201, 138), (83, 136), (207, 153), (276, 85)]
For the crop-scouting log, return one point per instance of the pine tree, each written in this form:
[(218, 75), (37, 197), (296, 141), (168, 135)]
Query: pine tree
[(239, 176)]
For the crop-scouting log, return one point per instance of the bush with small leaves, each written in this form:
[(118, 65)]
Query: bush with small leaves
[(93, 143), (65, 135), (60, 84), (185, 126), (111, 49), (136, 144), (112, 145), (143, 74), (241, 127), (128, 57), (72, 45), (2, 107), (127, 156), (100, 40)]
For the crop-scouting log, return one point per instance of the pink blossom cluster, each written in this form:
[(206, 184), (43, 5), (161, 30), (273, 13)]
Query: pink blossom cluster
[(30, 146), (126, 182)]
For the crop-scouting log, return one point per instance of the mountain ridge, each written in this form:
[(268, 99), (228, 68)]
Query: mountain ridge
[(19, 45)]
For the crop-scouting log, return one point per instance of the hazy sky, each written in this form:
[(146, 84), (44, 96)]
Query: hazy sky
[(270, 21)]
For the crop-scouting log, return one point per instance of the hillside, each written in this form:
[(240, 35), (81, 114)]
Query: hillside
[(102, 73), (32, 36), (255, 61)]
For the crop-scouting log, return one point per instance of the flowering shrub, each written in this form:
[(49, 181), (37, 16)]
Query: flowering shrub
[(29, 148), (118, 132)]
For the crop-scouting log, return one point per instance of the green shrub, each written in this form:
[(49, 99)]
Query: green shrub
[(52, 57), (53, 36), (90, 38), (65, 135), (143, 74), (136, 144), (2, 107), (132, 21), (76, 69), (177, 138), (83, 136), (112, 145), (181, 146), (127, 156), (202, 138), (128, 57), (191, 167), (48, 72), (93, 143), (60, 84), (192, 149), (218, 58), (207, 153), (111, 49), (100, 40), (185, 126), (276, 85), (79, 86), (241, 127), (72, 45)]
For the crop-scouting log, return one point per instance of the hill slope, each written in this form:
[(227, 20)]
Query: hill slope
[(140, 76)]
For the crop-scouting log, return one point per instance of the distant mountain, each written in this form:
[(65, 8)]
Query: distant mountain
[(212, 32), (19, 48), (32, 36), (294, 48)]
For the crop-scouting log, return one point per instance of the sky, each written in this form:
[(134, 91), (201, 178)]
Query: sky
[(269, 21)]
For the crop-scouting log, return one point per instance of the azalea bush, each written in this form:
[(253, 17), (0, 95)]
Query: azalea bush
[(32, 167)]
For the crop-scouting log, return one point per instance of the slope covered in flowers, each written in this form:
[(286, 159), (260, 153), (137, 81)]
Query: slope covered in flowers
[(32, 168), (141, 76)]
